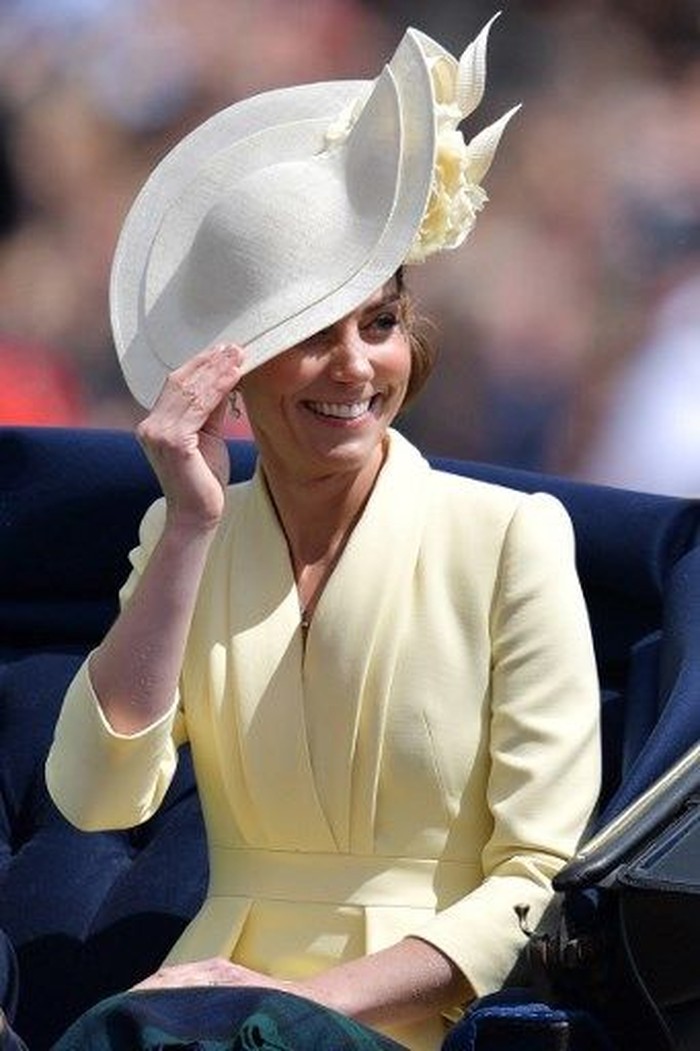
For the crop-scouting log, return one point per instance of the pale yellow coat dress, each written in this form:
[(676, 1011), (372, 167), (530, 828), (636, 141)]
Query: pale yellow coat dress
[(423, 766)]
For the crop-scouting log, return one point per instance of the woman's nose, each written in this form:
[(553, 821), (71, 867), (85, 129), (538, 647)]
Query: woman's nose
[(349, 361)]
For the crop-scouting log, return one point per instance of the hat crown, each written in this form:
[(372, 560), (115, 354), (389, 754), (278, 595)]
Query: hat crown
[(270, 224), (255, 251)]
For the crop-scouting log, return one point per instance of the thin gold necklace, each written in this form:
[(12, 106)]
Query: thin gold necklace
[(306, 611)]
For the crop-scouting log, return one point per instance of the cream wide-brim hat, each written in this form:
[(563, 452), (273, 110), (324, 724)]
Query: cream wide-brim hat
[(283, 212)]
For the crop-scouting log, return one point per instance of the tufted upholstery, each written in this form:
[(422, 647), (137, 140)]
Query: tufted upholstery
[(88, 914)]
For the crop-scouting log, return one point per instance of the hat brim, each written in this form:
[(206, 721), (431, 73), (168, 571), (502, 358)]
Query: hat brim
[(174, 291)]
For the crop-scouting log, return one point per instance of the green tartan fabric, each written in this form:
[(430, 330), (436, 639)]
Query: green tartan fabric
[(217, 1019)]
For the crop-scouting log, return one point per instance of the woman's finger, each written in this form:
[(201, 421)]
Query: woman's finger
[(195, 390), (214, 423)]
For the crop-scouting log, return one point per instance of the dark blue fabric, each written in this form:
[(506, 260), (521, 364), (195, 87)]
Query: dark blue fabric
[(89, 913), (70, 504), (9, 1041), (515, 1021), (9, 983), (218, 1019), (9, 977), (674, 725)]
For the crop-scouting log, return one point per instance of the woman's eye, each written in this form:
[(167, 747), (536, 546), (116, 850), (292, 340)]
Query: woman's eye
[(386, 321)]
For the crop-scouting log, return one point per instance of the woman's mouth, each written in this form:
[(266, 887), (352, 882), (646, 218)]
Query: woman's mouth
[(341, 410)]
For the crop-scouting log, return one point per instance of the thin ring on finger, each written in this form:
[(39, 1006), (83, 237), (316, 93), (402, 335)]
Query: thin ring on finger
[(191, 394)]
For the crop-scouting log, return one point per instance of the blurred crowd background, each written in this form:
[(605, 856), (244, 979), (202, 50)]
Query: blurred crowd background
[(569, 330)]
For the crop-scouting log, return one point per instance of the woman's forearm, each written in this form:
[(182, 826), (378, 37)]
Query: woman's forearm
[(398, 985), (135, 669)]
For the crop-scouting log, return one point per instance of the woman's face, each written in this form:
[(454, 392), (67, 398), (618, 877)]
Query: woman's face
[(325, 405)]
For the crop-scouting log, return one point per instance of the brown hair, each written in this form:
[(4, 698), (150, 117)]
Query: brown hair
[(423, 352)]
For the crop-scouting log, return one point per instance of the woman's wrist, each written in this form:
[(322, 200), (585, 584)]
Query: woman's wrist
[(185, 528)]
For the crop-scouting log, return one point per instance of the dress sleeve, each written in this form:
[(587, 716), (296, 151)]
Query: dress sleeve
[(98, 778), (544, 745)]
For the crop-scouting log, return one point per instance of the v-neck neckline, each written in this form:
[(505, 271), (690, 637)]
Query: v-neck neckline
[(307, 609)]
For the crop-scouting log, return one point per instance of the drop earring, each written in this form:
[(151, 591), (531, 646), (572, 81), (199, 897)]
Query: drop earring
[(235, 407)]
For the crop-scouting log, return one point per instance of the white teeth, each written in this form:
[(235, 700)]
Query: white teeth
[(342, 410)]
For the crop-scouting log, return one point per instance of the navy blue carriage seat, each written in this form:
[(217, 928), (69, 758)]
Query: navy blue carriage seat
[(89, 914)]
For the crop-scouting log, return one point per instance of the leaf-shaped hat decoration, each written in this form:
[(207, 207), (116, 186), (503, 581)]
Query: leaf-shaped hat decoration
[(456, 195)]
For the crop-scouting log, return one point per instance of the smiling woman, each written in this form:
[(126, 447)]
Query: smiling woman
[(383, 671)]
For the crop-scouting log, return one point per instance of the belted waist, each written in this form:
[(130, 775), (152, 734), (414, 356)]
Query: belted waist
[(342, 879)]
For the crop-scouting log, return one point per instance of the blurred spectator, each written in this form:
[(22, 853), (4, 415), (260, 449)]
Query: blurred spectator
[(649, 437), (38, 388), (646, 434)]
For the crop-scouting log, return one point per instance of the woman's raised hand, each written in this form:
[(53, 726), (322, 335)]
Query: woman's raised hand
[(183, 435)]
